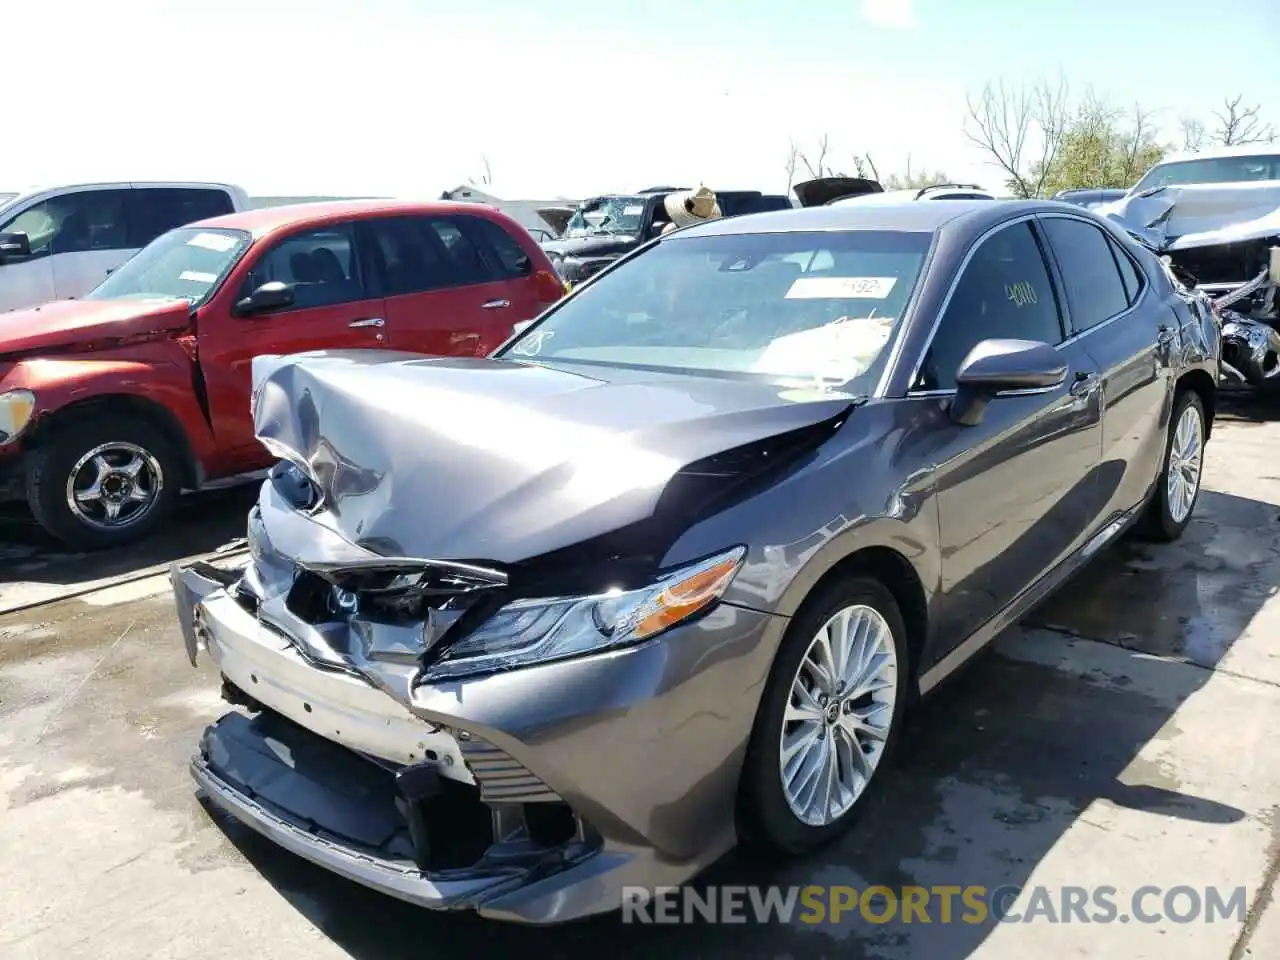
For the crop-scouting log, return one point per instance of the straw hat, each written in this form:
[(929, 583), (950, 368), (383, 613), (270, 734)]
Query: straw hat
[(691, 206)]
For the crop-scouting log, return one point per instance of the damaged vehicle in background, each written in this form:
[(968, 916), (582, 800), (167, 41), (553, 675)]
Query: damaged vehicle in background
[(665, 571), (602, 230), (1216, 217)]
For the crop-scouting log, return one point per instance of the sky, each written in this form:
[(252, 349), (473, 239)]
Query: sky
[(569, 98)]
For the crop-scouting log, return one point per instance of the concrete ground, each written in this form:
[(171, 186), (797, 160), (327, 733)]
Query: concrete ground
[(1124, 736)]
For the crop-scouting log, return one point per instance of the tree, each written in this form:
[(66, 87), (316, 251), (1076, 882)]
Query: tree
[(1101, 148), (486, 178), (793, 163), (1239, 124), (1194, 134), (914, 179), (820, 166), (1020, 129)]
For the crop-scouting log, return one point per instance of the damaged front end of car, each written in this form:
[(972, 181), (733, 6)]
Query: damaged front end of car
[(463, 733), (1222, 240)]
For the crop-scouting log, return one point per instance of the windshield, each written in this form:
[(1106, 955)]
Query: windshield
[(187, 263), (789, 306), (605, 216), (1211, 170)]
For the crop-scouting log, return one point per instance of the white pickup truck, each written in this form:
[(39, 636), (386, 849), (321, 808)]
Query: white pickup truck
[(60, 242)]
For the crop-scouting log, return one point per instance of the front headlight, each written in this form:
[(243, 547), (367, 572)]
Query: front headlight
[(526, 632), (16, 408)]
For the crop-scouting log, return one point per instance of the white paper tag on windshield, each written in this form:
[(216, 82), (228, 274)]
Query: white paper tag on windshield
[(220, 243), (841, 288), (195, 276), (632, 211)]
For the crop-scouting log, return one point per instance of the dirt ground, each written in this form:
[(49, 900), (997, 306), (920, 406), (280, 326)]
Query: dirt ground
[(1123, 736)]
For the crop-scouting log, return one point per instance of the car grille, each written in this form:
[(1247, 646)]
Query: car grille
[(502, 778)]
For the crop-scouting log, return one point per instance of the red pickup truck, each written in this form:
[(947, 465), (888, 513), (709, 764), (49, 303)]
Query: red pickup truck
[(112, 405)]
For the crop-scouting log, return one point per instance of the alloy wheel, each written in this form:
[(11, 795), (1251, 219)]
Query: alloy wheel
[(839, 712), (114, 485), (1186, 457)]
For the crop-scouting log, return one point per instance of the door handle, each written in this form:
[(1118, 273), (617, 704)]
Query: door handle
[(495, 305), (368, 322)]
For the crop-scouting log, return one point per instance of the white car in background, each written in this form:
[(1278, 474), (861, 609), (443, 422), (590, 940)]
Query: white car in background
[(61, 242)]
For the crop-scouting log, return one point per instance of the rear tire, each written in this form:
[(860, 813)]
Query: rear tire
[(95, 484), (774, 814), (1173, 503)]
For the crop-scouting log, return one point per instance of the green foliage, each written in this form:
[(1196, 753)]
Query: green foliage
[(915, 179), (1099, 148)]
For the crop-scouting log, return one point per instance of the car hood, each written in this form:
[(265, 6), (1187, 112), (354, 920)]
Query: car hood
[(587, 247), (471, 459), (822, 190), (1200, 215), (63, 324)]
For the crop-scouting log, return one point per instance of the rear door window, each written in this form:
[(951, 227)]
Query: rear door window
[(507, 257), (1095, 290), (157, 210), (1129, 272)]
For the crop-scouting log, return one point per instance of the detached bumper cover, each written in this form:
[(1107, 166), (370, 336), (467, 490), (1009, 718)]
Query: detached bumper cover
[(314, 770)]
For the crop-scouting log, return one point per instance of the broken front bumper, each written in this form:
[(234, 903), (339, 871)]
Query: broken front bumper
[(579, 778)]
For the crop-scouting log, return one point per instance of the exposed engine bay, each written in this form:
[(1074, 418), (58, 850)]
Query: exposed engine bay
[(1222, 240)]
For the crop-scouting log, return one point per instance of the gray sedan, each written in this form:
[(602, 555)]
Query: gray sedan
[(530, 633)]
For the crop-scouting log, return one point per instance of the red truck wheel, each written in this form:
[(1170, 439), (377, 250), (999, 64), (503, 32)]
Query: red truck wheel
[(103, 483)]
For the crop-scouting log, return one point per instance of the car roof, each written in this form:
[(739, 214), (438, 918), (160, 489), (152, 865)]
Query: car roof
[(1218, 153), (907, 215), (266, 220)]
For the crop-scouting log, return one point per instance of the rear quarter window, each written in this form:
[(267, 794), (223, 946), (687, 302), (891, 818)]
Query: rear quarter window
[(509, 258)]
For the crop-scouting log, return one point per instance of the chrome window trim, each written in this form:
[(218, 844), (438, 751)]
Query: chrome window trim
[(946, 301)]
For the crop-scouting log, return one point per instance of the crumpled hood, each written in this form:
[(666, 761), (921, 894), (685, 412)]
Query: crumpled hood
[(588, 247), (1200, 215), (494, 460), (69, 323)]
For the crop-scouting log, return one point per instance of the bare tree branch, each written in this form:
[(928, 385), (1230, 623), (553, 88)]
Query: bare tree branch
[(1007, 123), (793, 162), (1050, 112), (1142, 131), (1194, 134), (818, 169), (1239, 124), (875, 174)]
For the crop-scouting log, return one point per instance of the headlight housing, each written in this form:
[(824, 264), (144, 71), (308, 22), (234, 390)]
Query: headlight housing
[(527, 632), (16, 410)]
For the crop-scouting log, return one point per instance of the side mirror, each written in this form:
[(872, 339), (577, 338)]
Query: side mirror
[(273, 295), (994, 366), (14, 246)]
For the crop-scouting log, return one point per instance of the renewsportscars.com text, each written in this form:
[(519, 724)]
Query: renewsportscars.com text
[(941, 904)]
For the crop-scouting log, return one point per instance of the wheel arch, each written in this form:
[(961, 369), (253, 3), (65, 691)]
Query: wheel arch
[(1201, 383), (899, 576), (122, 404)]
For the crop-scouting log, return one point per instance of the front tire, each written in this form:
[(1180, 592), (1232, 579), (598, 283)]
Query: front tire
[(830, 716), (96, 484), (1173, 503)]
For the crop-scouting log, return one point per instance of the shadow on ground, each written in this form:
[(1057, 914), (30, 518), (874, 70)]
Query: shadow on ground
[(992, 772), (202, 522)]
